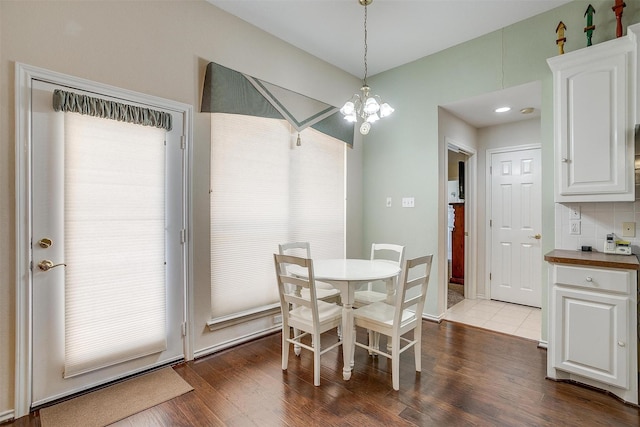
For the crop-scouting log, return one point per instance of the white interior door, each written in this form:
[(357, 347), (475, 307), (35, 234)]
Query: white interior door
[(107, 211), (516, 250)]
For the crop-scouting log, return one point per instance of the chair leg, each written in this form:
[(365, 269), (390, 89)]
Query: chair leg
[(296, 347), (417, 336), (285, 348), (395, 361), (316, 360), (372, 341)]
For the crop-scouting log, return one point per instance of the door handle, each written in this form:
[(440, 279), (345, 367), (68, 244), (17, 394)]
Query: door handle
[(46, 265), (536, 236)]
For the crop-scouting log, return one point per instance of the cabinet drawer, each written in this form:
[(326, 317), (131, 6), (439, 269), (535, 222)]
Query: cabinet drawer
[(593, 278)]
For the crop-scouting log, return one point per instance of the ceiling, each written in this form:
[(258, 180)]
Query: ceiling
[(333, 30)]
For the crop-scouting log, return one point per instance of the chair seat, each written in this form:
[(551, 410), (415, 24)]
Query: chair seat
[(327, 312), (368, 297), (382, 314)]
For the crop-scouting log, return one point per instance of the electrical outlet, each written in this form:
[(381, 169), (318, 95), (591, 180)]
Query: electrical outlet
[(574, 226), (628, 229), (408, 202), (388, 202)]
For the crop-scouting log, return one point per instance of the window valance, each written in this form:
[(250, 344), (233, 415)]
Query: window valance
[(232, 92), (98, 107)]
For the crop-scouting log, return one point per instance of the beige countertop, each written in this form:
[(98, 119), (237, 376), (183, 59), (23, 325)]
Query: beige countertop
[(592, 259)]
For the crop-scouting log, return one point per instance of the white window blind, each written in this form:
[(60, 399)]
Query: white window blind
[(265, 190), (114, 242)]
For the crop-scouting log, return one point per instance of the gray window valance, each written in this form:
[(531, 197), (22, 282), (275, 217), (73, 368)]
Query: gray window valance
[(232, 92), (97, 107)]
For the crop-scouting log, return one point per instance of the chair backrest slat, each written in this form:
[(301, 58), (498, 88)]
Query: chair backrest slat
[(287, 284), (302, 249), (419, 269)]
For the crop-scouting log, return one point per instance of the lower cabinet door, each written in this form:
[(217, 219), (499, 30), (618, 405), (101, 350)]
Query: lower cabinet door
[(591, 335)]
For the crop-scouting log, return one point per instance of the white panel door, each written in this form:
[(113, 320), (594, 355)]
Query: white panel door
[(516, 255), (54, 167)]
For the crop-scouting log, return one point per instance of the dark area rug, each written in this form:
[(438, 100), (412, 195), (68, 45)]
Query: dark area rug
[(455, 294)]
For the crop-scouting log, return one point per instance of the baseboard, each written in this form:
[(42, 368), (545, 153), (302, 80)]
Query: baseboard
[(234, 342), (431, 318), (7, 416)]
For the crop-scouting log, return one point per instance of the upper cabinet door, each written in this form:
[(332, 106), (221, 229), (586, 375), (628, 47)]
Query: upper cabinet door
[(594, 106)]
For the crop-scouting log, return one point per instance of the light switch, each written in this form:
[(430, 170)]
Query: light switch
[(575, 212)]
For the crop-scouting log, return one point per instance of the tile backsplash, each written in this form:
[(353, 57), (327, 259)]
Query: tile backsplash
[(596, 221)]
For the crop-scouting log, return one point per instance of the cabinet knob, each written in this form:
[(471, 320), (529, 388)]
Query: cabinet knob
[(589, 279), (621, 343), (565, 160)]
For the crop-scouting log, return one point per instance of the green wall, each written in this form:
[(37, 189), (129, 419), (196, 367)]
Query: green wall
[(401, 152)]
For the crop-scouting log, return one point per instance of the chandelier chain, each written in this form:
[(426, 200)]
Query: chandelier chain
[(365, 45)]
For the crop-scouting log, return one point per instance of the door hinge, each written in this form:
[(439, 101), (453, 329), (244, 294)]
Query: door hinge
[(490, 223), (184, 329), (490, 170), (183, 142), (489, 276), (183, 235)]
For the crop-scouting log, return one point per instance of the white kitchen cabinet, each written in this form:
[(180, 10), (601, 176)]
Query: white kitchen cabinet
[(593, 321), (594, 117)]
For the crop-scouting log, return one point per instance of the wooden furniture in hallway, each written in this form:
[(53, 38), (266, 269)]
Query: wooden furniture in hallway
[(457, 245)]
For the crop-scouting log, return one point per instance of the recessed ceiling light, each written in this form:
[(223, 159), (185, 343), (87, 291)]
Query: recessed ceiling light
[(502, 109), (527, 110)]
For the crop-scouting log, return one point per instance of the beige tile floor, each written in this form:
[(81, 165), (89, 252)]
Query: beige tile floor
[(498, 316)]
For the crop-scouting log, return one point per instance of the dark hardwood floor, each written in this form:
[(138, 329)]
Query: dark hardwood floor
[(469, 377)]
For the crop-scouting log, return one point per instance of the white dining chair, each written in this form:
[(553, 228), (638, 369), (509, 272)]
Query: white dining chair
[(395, 320), (306, 316), (381, 251), (384, 251), (324, 291)]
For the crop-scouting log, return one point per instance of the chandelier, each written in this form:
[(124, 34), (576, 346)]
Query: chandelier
[(365, 105)]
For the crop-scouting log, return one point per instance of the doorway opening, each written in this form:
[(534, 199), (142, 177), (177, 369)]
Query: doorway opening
[(456, 188)]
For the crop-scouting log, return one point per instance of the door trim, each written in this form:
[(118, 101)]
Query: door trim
[(490, 152), (471, 224), (24, 74)]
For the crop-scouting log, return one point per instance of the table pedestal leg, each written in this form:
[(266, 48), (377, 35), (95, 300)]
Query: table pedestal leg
[(347, 337)]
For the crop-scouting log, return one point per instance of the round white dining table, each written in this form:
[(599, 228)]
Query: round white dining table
[(346, 275)]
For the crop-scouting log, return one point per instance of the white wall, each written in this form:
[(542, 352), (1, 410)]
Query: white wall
[(159, 48), (596, 221)]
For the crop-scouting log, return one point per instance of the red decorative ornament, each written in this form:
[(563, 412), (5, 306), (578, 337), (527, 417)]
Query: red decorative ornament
[(618, 8)]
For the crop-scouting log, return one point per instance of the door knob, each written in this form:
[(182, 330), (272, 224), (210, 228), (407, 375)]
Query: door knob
[(536, 236), (46, 265)]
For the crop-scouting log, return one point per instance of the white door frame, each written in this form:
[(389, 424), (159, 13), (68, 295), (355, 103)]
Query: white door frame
[(488, 258), (24, 76), (471, 224)]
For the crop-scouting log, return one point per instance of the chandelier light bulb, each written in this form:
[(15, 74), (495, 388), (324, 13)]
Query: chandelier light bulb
[(351, 118), (371, 106), (348, 108), (385, 110)]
